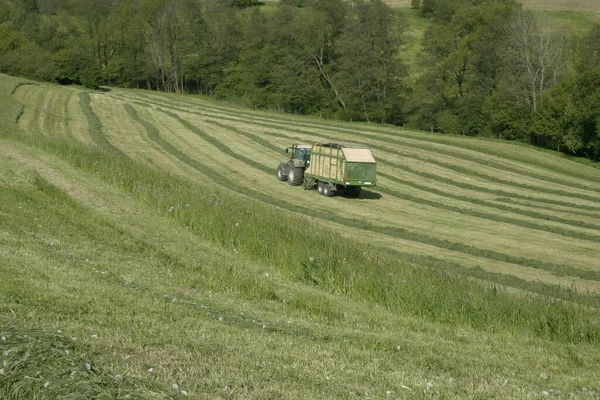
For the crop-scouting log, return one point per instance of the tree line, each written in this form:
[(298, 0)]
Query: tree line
[(488, 67)]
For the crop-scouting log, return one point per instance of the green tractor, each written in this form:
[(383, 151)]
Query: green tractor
[(293, 170)]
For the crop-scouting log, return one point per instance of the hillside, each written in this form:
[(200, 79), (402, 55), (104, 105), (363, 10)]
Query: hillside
[(151, 231)]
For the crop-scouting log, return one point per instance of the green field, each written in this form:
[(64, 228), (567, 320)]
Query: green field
[(150, 229)]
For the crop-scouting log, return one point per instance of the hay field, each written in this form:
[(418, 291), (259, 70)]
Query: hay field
[(487, 209)]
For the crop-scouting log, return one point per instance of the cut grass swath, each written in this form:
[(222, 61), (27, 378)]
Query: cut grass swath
[(95, 126), (481, 146), (43, 365), (394, 232), (461, 184), (492, 217)]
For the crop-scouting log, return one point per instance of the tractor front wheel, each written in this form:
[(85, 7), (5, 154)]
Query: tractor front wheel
[(295, 176), (281, 175)]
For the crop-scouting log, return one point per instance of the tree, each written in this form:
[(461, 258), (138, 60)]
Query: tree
[(96, 16), (460, 56), (214, 31), (568, 117), (368, 71), (534, 58), (165, 43)]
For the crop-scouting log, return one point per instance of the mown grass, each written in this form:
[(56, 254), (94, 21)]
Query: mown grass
[(421, 200), (483, 146), (392, 231), (230, 297), (338, 263), (42, 365), (264, 168), (259, 140), (287, 127), (395, 232)]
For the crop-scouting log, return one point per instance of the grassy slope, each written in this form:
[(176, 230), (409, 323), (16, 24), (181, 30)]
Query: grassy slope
[(139, 269)]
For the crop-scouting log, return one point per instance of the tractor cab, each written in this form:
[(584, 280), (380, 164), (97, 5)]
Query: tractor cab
[(300, 155)]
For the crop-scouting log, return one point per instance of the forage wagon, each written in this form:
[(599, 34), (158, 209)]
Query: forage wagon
[(332, 166)]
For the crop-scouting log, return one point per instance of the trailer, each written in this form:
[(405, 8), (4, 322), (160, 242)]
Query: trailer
[(340, 166)]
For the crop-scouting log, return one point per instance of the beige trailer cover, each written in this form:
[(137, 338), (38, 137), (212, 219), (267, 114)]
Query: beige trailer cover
[(358, 155)]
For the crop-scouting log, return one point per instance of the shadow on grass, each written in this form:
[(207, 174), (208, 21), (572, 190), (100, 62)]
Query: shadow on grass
[(368, 195)]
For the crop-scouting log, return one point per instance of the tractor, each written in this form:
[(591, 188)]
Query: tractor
[(293, 170)]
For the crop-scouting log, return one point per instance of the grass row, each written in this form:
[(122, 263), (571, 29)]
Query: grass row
[(324, 259), (420, 200), (94, 125), (441, 179), (452, 167), (394, 232), (554, 208), (286, 127), (490, 217), (461, 184), (218, 144), (528, 213), (478, 145)]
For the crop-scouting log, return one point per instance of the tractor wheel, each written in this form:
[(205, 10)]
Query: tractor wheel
[(327, 192), (295, 176), (320, 188), (281, 175)]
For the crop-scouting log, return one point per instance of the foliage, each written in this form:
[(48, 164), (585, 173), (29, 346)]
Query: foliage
[(481, 69), (569, 116)]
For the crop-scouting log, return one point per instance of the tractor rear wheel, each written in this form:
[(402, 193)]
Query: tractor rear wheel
[(281, 175), (295, 176)]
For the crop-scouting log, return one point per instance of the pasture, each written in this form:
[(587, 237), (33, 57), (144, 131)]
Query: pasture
[(150, 230)]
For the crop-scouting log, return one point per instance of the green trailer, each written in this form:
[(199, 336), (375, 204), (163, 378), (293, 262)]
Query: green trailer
[(339, 166)]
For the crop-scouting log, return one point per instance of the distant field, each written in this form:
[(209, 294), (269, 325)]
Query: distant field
[(474, 204)]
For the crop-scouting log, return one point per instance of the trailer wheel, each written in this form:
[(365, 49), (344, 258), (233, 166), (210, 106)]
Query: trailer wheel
[(295, 176), (320, 187), (281, 175), (327, 192)]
